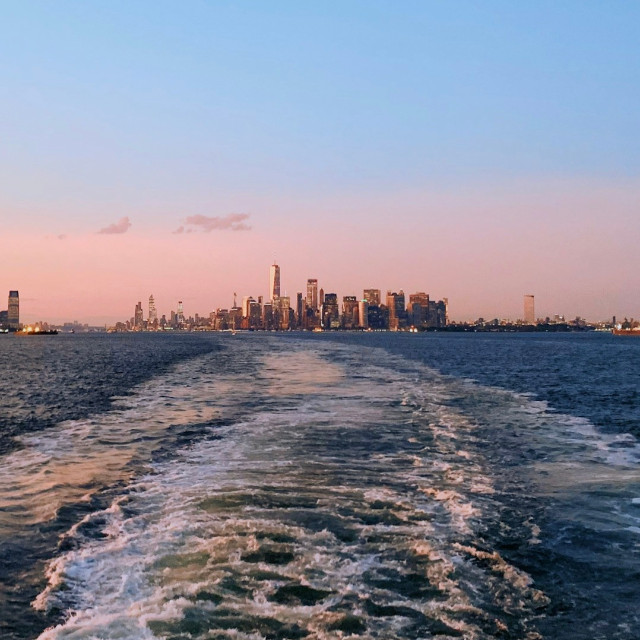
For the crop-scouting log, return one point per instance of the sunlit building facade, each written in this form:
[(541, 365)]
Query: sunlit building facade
[(418, 309), (396, 309), (153, 314), (529, 309), (363, 314), (312, 293), (13, 311), (274, 282), (349, 312), (281, 314), (372, 296), (138, 321)]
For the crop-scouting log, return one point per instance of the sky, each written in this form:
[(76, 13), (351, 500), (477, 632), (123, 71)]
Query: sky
[(478, 151)]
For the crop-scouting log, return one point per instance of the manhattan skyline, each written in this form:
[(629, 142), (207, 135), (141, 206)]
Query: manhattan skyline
[(479, 152)]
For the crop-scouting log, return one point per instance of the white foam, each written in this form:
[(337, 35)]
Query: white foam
[(169, 543), (55, 467)]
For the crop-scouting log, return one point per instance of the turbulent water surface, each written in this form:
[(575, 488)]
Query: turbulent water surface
[(302, 486)]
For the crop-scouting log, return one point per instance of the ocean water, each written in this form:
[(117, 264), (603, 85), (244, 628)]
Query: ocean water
[(217, 486)]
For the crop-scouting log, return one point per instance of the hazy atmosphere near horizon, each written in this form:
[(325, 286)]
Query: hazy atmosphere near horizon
[(478, 151)]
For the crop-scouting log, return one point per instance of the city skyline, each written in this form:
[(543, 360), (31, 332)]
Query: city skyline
[(311, 302), (310, 292), (318, 310), (480, 152)]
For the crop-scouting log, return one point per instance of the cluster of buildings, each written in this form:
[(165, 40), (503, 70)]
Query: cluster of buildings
[(10, 318), (316, 311), (529, 323)]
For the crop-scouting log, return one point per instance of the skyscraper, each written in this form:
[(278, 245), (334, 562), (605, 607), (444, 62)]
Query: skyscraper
[(13, 311), (267, 316), (274, 282), (395, 305), (281, 317), (246, 305), (299, 311), (255, 314), (312, 293), (349, 312), (363, 314), (330, 311), (137, 316), (529, 310), (372, 296), (418, 310), (153, 314), (438, 315)]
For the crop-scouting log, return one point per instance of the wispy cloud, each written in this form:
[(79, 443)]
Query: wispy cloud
[(122, 226), (233, 222)]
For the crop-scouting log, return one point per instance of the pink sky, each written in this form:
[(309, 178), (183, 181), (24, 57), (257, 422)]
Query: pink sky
[(572, 244)]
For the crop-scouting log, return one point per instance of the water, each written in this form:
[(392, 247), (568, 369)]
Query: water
[(304, 486)]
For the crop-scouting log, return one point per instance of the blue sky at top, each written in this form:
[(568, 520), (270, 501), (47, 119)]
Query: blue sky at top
[(304, 96)]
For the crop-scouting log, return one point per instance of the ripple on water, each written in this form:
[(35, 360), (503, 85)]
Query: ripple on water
[(292, 524)]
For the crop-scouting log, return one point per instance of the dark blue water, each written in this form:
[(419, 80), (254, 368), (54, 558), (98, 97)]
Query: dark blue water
[(45, 380), (595, 375), (320, 486), (590, 516)]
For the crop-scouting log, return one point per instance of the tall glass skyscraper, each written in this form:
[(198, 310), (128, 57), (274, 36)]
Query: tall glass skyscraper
[(274, 282), (153, 314), (312, 293), (13, 311), (529, 310)]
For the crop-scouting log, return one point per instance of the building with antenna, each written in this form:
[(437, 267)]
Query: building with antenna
[(274, 282), (153, 314)]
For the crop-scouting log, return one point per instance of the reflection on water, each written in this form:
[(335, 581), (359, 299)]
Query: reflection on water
[(301, 372), (81, 457)]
